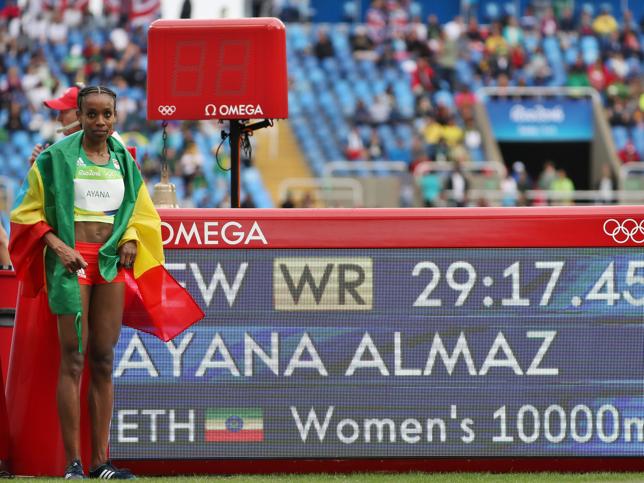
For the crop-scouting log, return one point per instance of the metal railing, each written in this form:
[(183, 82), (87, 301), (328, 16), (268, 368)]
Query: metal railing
[(330, 191), (540, 197), (332, 167)]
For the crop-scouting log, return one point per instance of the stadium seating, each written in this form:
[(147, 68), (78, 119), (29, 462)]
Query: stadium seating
[(324, 93)]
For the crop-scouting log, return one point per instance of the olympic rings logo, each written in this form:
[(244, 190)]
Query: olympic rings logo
[(167, 110), (627, 230)]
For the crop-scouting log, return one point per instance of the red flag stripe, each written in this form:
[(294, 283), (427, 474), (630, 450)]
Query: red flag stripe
[(26, 247), (156, 303), (223, 436)]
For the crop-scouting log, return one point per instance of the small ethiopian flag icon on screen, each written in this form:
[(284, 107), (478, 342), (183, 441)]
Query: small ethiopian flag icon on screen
[(230, 424)]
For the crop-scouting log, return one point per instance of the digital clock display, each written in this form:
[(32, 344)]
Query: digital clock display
[(311, 350), (217, 69)]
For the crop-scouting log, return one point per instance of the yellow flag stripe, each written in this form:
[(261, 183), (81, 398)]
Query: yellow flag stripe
[(219, 425), (144, 227), (31, 208)]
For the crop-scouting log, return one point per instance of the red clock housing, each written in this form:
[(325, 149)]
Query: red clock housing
[(217, 69)]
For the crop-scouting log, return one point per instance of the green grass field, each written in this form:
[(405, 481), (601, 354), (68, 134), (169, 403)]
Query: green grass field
[(404, 478)]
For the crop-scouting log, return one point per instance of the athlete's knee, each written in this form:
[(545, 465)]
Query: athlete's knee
[(71, 362), (101, 363)]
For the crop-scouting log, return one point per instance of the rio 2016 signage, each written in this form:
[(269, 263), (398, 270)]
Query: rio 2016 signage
[(527, 120)]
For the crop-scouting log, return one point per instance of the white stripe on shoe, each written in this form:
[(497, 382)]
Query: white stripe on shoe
[(106, 474)]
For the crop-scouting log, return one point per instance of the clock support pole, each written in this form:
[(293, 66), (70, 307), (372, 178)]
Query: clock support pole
[(239, 129)]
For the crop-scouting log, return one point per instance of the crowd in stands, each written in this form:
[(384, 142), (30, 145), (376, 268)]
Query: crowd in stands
[(394, 85), (445, 64), (44, 51)]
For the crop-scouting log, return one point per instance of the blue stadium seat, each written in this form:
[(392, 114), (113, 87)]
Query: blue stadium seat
[(638, 139), (620, 136), (589, 49), (492, 12), (444, 97)]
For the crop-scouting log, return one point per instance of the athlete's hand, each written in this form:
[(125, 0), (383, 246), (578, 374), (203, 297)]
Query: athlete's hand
[(127, 254), (38, 148), (70, 258)]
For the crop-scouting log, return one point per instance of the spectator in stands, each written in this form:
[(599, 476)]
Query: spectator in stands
[(247, 201), (417, 25), (458, 186), (577, 74), (15, 123), (620, 115), (288, 202), (567, 21), (528, 20), (509, 191), (452, 132), (629, 154), (307, 201), (547, 176), (74, 63), (524, 182), (548, 23), (538, 67), (433, 27), (563, 188), (418, 153), (422, 77), (630, 42), (606, 186), (375, 150), (473, 34), (190, 164), (416, 46), (432, 133), (380, 109), (628, 22), (355, 148), (424, 107), (376, 19), (495, 43), (599, 76), (447, 58), (605, 23), (441, 150), (66, 106), (361, 115), (454, 28), (429, 183), (472, 136), (512, 32), (361, 45), (323, 48), (464, 97), (586, 24)]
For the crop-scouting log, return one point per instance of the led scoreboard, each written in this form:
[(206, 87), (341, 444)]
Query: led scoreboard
[(385, 336), (217, 69)]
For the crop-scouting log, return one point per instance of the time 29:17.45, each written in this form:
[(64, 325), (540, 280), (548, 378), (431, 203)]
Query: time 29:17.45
[(462, 277)]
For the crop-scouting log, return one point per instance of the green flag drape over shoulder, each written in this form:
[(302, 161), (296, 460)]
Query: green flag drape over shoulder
[(155, 302)]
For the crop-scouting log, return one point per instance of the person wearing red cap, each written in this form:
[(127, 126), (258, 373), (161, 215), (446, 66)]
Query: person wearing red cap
[(66, 105)]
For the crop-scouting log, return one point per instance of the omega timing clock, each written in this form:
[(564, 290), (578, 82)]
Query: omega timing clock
[(217, 69)]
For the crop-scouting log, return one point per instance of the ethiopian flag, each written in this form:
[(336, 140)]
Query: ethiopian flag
[(154, 302), (225, 425)]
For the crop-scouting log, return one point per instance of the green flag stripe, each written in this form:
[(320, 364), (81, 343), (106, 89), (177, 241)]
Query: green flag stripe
[(225, 413)]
